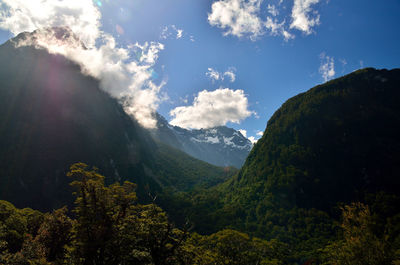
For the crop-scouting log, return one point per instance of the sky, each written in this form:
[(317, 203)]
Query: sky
[(203, 63)]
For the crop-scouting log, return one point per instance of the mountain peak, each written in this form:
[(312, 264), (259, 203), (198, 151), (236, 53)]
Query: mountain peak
[(47, 37), (221, 146)]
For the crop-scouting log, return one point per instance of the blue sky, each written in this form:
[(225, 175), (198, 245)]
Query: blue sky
[(340, 37)]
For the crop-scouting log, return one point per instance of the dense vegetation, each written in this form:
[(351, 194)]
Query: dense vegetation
[(332, 145), (320, 187), (109, 226), (51, 116)]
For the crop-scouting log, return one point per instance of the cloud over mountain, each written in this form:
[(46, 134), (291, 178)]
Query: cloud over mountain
[(212, 108), (125, 72)]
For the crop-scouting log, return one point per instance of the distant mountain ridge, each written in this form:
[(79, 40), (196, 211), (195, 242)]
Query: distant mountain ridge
[(221, 146)]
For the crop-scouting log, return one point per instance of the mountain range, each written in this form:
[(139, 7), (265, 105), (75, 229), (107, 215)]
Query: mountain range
[(335, 144), (52, 115), (220, 146)]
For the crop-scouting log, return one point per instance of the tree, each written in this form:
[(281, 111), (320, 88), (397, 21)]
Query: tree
[(360, 244), (112, 228)]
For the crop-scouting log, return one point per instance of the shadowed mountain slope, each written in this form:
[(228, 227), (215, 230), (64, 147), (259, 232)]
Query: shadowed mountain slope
[(332, 143), (51, 115)]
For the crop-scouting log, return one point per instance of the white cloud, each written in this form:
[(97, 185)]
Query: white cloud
[(243, 132), (126, 73), (237, 17), (171, 31), (214, 75), (304, 18), (212, 108), (231, 75), (252, 139), (179, 33), (327, 67), (272, 10), (241, 18), (81, 16), (277, 28)]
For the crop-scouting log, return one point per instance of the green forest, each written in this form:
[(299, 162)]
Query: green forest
[(107, 225), (320, 187)]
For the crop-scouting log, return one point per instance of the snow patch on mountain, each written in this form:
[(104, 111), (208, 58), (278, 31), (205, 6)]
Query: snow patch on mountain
[(220, 146)]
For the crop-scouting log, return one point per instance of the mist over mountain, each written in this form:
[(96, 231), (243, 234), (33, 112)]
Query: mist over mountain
[(220, 146), (52, 115)]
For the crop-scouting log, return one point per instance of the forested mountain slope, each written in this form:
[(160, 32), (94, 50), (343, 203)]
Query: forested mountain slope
[(335, 144), (332, 143), (51, 116)]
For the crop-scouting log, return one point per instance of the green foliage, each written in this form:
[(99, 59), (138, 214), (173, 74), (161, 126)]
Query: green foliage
[(182, 172), (233, 247), (111, 227), (336, 143), (360, 244)]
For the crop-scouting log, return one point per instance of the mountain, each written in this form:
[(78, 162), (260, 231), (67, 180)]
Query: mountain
[(51, 116), (333, 143), (220, 146), (336, 143)]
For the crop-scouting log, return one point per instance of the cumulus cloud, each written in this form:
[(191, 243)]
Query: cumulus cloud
[(171, 31), (214, 75), (327, 67), (237, 17), (252, 139), (212, 108), (241, 18), (72, 28), (304, 18), (82, 17), (259, 133)]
